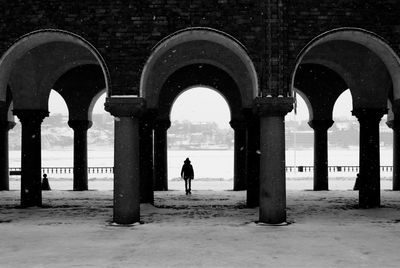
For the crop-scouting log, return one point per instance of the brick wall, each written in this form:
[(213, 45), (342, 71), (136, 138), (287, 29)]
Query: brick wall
[(125, 31), (307, 19)]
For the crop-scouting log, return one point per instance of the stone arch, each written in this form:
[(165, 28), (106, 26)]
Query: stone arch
[(81, 86), (31, 67), (94, 101), (197, 74), (200, 75), (355, 54), (198, 46), (307, 101), (38, 59), (371, 70), (320, 86)]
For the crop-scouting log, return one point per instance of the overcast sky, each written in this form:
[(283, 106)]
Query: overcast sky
[(206, 105)]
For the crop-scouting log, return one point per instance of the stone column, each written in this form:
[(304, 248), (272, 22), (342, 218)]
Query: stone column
[(272, 111), (80, 128), (5, 126), (239, 176), (146, 159), (321, 153), (252, 160), (160, 154), (31, 156), (369, 191), (126, 111), (395, 126)]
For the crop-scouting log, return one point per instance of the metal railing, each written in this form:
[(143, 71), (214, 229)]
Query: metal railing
[(110, 170), (66, 170), (334, 168)]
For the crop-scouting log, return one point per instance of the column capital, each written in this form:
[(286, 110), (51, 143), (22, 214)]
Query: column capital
[(7, 125), (3, 108), (396, 108), (251, 117), (31, 115), (162, 123), (320, 124), (80, 124), (238, 123), (148, 118), (371, 115), (393, 124), (273, 106), (11, 125), (125, 106)]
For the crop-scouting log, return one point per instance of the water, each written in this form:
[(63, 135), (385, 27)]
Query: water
[(210, 166)]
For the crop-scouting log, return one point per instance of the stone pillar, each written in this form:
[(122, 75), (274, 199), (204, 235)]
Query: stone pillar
[(80, 128), (31, 156), (239, 176), (252, 160), (321, 153), (126, 111), (369, 191), (272, 111), (146, 159), (395, 126), (5, 126), (160, 154)]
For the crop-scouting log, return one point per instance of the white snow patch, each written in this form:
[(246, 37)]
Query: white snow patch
[(207, 228)]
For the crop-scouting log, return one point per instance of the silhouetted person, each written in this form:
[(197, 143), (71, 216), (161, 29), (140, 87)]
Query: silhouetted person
[(357, 184), (45, 183), (187, 174)]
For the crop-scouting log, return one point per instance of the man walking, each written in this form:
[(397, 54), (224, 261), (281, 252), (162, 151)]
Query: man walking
[(187, 174)]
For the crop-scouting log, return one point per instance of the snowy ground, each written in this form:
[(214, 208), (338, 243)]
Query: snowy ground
[(207, 229)]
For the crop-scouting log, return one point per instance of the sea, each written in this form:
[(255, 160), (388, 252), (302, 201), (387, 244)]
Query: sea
[(210, 166)]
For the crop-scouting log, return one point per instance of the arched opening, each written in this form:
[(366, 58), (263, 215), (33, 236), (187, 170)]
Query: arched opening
[(187, 77), (14, 149), (364, 60), (366, 65), (100, 145), (198, 46), (57, 143), (200, 130), (195, 56), (319, 86), (299, 144), (36, 60), (344, 139), (34, 65), (81, 87)]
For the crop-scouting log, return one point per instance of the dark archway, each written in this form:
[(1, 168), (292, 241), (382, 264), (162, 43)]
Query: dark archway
[(321, 87), (30, 67), (173, 59), (204, 75), (79, 86), (370, 68), (215, 78), (194, 56)]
